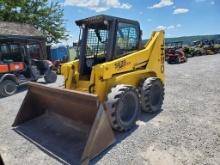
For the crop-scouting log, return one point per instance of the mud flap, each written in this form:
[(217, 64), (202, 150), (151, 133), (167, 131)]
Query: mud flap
[(84, 111)]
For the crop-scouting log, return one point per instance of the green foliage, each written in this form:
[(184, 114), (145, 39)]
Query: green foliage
[(44, 16)]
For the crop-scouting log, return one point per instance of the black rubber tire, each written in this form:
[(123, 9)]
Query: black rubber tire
[(7, 88), (124, 107), (50, 77), (35, 73), (177, 60), (151, 95)]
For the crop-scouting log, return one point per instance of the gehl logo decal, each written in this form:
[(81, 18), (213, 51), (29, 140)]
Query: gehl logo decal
[(121, 64)]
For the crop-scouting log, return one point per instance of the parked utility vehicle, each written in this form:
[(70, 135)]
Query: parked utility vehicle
[(22, 60)]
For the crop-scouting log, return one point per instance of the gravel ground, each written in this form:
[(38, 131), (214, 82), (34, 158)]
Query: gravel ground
[(187, 131)]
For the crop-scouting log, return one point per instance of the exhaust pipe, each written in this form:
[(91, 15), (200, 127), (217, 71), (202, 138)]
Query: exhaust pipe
[(88, 117)]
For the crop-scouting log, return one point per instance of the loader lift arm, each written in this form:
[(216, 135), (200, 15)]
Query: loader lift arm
[(140, 60)]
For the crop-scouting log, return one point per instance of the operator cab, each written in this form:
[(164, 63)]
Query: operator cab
[(105, 38)]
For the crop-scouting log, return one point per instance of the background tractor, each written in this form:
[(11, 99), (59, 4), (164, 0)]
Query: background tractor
[(208, 46), (174, 52), (22, 60), (203, 47), (199, 48), (217, 46), (113, 79)]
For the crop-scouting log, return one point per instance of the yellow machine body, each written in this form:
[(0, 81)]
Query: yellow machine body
[(129, 69)]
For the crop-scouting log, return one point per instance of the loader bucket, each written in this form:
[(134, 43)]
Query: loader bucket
[(89, 120)]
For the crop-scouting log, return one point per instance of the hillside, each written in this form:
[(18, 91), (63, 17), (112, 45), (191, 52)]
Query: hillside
[(188, 39)]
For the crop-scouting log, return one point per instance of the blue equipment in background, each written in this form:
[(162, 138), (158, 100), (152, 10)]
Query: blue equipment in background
[(59, 53)]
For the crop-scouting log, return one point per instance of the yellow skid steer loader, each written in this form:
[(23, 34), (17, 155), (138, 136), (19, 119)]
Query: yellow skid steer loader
[(114, 77)]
